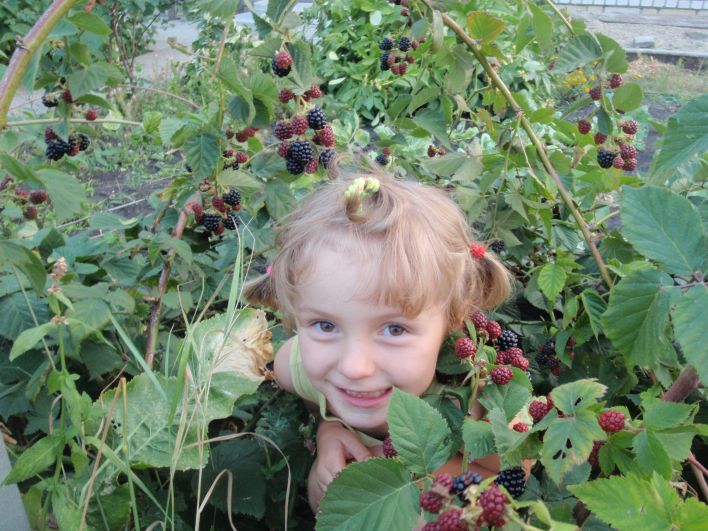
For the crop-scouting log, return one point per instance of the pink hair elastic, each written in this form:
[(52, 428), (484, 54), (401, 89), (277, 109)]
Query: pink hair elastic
[(269, 270), (478, 250)]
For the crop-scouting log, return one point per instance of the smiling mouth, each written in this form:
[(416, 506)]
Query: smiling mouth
[(364, 394)]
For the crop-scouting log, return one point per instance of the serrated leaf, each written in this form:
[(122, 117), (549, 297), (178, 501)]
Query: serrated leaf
[(478, 438), (29, 338), (219, 8), (419, 433), (510, 398), (692, 515), (90, 22), (372, 494), (637, 315), (551, 280), (687, 316), (580, 51), (594, 306), (35, 459), (484, 27), (661, 415), (686, 136), (16, 316), (630, 503), (19, 171), (301, 72), (542, 26), (578, 395), (202, 152), (438, 39), (628, 97), (664, 227), (26, 261), (66, 193), (88, 79), (651, 454)]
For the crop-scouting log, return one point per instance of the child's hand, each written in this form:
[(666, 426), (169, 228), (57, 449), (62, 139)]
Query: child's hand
[(336, 446)]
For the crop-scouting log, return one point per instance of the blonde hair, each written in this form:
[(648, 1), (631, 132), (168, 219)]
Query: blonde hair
[(414, 236)]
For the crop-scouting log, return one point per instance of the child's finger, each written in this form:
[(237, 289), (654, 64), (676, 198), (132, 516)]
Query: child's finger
[(377, 451), (356, 449)]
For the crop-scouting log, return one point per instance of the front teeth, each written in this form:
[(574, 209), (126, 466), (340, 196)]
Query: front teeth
[(361, 394)]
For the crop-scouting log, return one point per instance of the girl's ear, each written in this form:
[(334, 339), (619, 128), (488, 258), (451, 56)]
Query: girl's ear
[(496, 281), (261, 291)]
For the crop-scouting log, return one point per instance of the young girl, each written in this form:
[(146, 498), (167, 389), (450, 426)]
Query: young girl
[(373, 274)]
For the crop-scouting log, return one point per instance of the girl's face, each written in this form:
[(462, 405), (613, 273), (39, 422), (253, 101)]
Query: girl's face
[(355, 350)]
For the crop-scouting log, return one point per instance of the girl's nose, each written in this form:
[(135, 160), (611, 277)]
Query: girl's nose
[(357, 359)]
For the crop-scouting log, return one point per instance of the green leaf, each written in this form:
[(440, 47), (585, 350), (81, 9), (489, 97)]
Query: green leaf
[(202, 152), (17, 316), (578, 395), (438, 32), (434, 122), (628, 97), (478, 438), (301, 72), (664, 227), (510, 398), (551, 280), (419, 433), (35, 459), (651, 454), (630, 503), (279, 199), (595, 306), (20, 171), (372, 494), (568, 441), (686, 136), (637, 315), (88, 79), (64, 190), (90, 22), (484, 27), (687, 317), (26, 261), (542, 26), (219, 8), (29, 338), (692, 515), (661, 415), (578, 52)]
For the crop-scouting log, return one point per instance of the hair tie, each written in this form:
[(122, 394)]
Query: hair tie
[(269, 270), (478, 250), (362, 187)]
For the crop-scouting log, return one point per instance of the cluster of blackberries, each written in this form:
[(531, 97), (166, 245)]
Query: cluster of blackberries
[(314, 92), (233, 159), (51, 99), (613, 82), (404, 12), (383, 158), (281, 63), (397, 63), (58, 147), (222, 215), (26, 199), (546, 357), (300, 155), (435, 151), (242, 135), (497, 246)]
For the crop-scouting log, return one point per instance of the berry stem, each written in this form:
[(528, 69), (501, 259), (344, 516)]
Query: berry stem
[(540, 147), (39, 121), (25, 50)]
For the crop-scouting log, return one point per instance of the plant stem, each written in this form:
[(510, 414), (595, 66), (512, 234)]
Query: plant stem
[(26, 48), (701, 481), (540, 147), (686, 382), (558, 12), (40, 121), (695, 462), (193, 105)]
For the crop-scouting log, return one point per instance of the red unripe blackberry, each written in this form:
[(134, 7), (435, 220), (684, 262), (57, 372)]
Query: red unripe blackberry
[(283, 130), (549, 402), (415, 43), (600, 138), (405, 12), (616, 81), (90, 115), (451, 520), (316, 119), (501, 375), (38, 197), (520, 427), (196, 208), (402, 68), (396, 69), (67, 97), (618, 162), (611, 421), (502, 357), (519, 361), (219, 230), (584, 127), (410, 59), (311, 167), (388, 449), (444, 479), (314, 91), (478, 250), (228, 153), (241, 157), (628, 151), (30, 213), (431, 526), (493, 329), (242, 135), (386, 151), (493, 502), (442, 151), (431, 501), (283, 59), (325, 137), (630, 165), (299, 124), (465, 348), (431, 151), (593, 458), (250, 131), (285, 95), (74, 150), (595, 93), (391, 60), (229, 133), (284, 149), (556, 371), (479, 320), (538, 410), (219, 204), (49, 135), (630, 127)]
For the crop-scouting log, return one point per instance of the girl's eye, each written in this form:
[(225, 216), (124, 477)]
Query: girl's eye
[(395, 330), (324, 326)]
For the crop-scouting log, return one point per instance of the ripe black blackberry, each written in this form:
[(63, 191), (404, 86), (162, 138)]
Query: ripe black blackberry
[(384, 62), (278, 70), (231, 221), (507, 340), (605, 158), (301, 152), (232, 197), (294, 167), (386, 44), (50, 100), (56, 149), (461, 482), (513, 480), (549, 347), (211, 221), (326, 157), (316, 119), (382, 159), (497, 246), (404, 44)]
